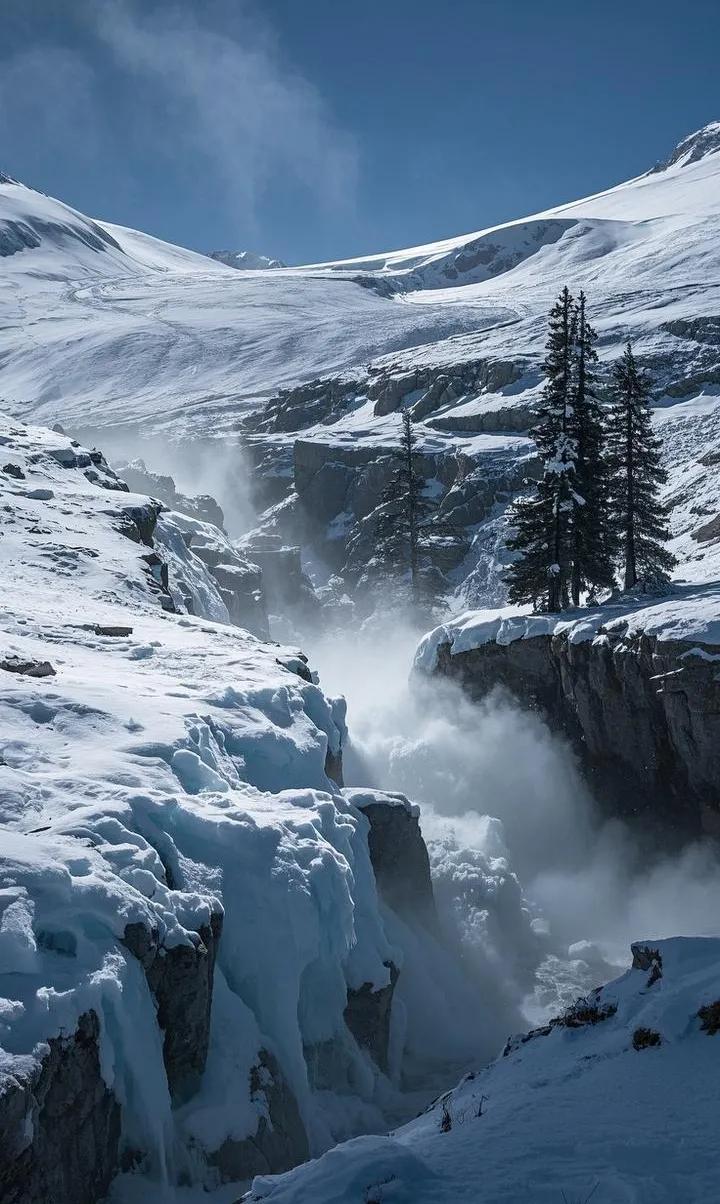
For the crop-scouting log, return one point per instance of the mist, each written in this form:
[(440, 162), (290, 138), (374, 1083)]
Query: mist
[(218, 468), (543, 893)]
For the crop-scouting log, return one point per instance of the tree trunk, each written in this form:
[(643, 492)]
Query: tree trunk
[(630, 569), (579, 401)]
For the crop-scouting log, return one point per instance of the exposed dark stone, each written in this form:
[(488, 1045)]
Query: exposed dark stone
[(159, 576), (14, 470), (296, 664), (286, 585), (59, 1125), (334, 766), (708, 531), (139, 522), (141, 479), (643, 716), (400, 861), (276, 1146), (181, 980), (368, 1014), (109, 629), (28, 668), (241, 589), (644, 957)]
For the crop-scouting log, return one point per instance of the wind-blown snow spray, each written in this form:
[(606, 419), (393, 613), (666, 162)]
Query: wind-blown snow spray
[(544, 894)]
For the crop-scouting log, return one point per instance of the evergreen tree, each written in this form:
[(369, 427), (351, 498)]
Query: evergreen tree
[(639, 519), (592, 536), (543, 524), (407, 524)]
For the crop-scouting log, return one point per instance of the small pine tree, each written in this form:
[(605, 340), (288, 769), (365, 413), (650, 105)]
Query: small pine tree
[(543, 523), (639, 519), (592, 541), (408, 523)]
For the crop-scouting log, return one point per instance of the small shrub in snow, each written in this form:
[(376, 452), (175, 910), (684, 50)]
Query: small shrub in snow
[(584, 1012), (646, 1038), (710, 1017)]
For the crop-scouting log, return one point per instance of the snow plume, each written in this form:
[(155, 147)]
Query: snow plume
[(241, 108), (544, 896)]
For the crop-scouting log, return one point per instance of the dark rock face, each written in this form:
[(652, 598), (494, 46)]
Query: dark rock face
[(286, 585), (239, 581), (139, 522), (59, 1125), (643, 716), (334, 767), (277, 1146), (400, 861), (15, 664), (141, 479), (181, 980), (368, 1014)]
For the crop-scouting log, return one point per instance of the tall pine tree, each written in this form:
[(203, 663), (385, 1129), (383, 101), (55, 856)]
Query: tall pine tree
[(592, 537), (639, 519), (407, 525), (543, 523)]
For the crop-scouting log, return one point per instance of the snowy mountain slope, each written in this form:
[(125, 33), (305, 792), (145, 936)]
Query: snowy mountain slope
[(213, 342), (614, 1102), (106, 328), (171, 839)]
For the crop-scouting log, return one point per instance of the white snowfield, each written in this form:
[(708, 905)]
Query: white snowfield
[(106, 326), (616, 1104), (169, 768)]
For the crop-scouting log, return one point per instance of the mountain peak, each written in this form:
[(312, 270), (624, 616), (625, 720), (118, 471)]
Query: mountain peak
[(246, 259), (694, 147)]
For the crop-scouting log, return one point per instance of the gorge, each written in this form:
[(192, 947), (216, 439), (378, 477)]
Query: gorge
[(281, 864)]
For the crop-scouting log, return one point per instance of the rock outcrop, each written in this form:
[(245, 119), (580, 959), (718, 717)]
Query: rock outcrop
[(280, 1141), (398, 855), (181, 980), (59, 1124), (141, 479), (643, 716), (239, 580), (368, 1014)]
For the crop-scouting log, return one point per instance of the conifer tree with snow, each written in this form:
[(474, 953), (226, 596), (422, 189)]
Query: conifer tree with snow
[(407, 523), (543, 523), (593, 542), (639, 518)]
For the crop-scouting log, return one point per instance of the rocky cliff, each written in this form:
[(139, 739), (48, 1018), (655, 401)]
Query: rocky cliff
[(196, 936), (640, 706)]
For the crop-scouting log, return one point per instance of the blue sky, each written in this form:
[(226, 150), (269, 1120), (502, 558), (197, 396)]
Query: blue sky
[(313, 129)]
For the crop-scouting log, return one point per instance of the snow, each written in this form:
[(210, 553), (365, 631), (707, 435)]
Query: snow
[(192, 747), (688, 612), (572, 1113), (157, 777), (138, 330)]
